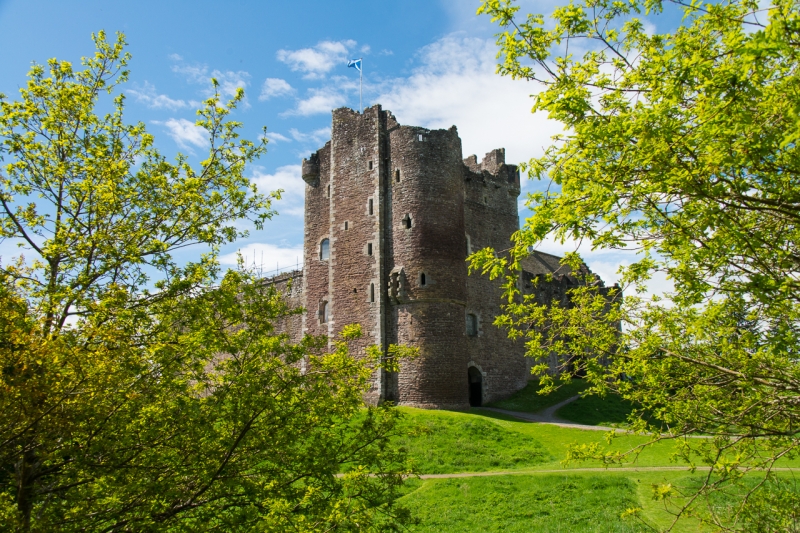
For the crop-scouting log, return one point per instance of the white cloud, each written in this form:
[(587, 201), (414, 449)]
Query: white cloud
[(229, 81), (275, 137), (175, 57), (185, 133), (286, 177), (317, 136), (320, 101), (148, 96), (274, 87), (269, 257), (317, 61), (456, 84)]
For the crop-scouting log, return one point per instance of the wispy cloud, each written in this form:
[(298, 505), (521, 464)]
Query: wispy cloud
[(147, 95), (317, 136), (273, 87), (267, 256), (185, 133), (286, 178), (455, 84), (321, 100), (175, 57), (277, 137), (317, 61), (229, 81)]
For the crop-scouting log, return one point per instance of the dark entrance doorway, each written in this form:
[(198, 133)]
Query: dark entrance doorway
[(475, 387)]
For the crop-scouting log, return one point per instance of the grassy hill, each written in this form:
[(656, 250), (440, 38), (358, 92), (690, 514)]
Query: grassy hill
[(511, 477)]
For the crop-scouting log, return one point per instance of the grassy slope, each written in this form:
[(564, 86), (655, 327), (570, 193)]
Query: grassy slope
[(524, 503), (533, 499), (441, 442), (528, 400)]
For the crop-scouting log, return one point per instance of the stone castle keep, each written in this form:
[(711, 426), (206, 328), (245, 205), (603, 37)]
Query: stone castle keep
[(391, 213)]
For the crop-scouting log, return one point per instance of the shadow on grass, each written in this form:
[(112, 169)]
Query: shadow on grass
[(528, 400)]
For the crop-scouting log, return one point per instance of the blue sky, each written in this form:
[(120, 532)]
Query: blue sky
[(431, 62)]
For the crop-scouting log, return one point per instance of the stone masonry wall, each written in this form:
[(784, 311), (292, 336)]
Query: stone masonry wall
[(355, 266), (490, 212), (426, 232), (402, 210)]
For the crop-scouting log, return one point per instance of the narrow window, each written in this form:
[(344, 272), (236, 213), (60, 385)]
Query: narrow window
[(324, 249), (329, 191), (419, 137), (370, 165), (472, 325), (397, 175), (369, 248), (369, 206), (371, 292), (422, 279), (346, 226), (323, 313), (469, 245), (407, 221)]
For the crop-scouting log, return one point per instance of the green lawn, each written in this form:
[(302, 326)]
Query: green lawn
[(528, 400), (544, 503), (527, 495), (596, 411), (441, 442)]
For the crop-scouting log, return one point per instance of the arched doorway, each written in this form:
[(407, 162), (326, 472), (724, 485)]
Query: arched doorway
[(475, 387)]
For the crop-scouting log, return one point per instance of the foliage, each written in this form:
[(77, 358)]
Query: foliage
[(139, 394), (683, 147)]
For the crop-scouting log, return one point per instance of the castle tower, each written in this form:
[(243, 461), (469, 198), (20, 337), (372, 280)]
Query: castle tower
[(388, 212), (425, 267)]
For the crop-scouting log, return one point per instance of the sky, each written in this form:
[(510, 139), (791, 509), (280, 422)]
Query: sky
[(431, 62)]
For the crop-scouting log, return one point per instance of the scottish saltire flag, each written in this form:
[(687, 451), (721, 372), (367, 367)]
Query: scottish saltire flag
[(355, 63)]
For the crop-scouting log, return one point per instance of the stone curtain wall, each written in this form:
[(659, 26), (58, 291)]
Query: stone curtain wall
[(290, 285)]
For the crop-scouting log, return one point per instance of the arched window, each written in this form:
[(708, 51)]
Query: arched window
[(325, 249), (407, 221), (324, 313), (472, 325), (422, 279)]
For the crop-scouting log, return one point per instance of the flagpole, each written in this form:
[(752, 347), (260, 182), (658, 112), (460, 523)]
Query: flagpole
[(361, 85)]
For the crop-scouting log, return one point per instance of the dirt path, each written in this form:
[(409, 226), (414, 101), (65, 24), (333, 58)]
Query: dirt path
[(629, 470), (548, 416)]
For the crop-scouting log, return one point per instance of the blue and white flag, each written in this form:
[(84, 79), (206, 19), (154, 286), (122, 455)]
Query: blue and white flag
[(355, 63)]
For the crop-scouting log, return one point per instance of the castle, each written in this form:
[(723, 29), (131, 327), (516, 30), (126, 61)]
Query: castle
[(391, 214)]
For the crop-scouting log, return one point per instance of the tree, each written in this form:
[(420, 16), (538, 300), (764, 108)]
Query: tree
[(140, 394), (682, 146)]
